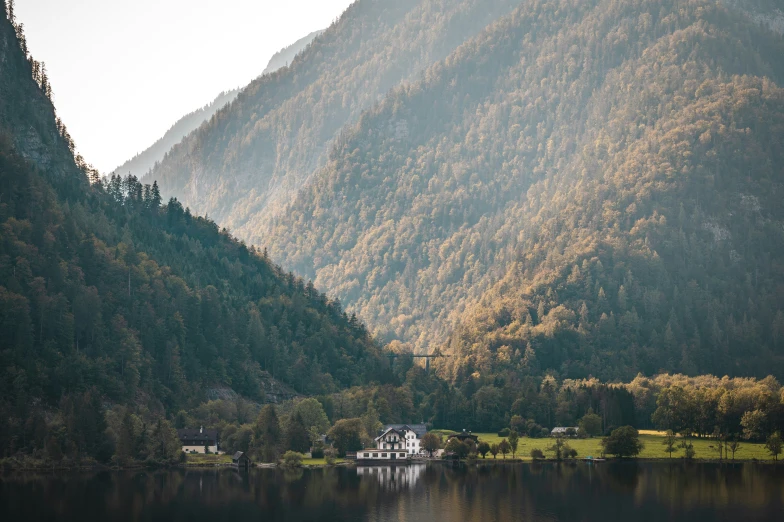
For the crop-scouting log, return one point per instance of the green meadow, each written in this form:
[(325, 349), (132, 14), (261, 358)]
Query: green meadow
[(705, 449)]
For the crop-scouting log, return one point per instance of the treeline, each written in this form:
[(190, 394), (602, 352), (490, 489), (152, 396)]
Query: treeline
[(84, 431), (705, 406)]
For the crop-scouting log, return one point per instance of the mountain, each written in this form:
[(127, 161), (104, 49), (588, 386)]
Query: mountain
[(109, 297), (143, 162), (253, 157), (286, 55), (589, 188)]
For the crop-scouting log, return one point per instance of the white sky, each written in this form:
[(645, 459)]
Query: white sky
[(123, 71)]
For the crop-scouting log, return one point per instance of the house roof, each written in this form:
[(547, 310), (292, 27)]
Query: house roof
[(419, 429), (197, 435), (238, 455), (464, 436), (561, 429), (386, 431)]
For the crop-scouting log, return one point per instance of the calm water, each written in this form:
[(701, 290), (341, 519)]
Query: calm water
[(545, 492)]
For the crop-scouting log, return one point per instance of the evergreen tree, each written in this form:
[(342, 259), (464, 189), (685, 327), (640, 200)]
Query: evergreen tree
[(297, 438), (267, 437)]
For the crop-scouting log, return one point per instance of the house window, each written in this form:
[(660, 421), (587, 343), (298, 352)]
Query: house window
[(367, 455), (383, 455)]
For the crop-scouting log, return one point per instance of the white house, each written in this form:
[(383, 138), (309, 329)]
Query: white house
[(372, 456), (401, 437), (564, 431)]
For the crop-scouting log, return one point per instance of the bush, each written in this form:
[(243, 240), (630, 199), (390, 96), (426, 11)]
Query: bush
[(292, 459), (504, 432), (330, 454), (537, 454)]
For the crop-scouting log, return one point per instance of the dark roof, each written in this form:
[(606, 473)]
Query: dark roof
[(390, 430), (237, 456), (197, 436), (419, 429), (465, 435)]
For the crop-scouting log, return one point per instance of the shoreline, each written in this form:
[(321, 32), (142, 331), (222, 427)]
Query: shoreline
[(347, 464)]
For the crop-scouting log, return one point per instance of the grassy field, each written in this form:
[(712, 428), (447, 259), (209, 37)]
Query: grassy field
[(200, 459), (652, 440), (319, 462)]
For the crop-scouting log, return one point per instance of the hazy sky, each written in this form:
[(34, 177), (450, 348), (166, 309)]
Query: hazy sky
[(123, 71)]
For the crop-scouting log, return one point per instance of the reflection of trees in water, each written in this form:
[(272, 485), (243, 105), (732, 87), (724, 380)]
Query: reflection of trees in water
[(566, 491)]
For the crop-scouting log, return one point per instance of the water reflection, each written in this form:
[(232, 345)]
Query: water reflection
[(393, 478), (503, 493)]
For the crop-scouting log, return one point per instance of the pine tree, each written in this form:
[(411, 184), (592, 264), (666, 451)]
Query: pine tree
[(156, 195), (297, 438), (45, 81), (266, 434)]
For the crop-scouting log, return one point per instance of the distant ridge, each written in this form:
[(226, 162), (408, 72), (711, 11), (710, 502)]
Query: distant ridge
[(145, 161), (286, 55)]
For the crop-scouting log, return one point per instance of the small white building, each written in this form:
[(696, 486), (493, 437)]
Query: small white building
[(565, 432), (198, 441), (401, 436)]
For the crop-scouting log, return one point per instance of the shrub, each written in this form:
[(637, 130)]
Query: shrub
[(537, 454), (330, 454), (504, 432), (292, 459), (688, 450)]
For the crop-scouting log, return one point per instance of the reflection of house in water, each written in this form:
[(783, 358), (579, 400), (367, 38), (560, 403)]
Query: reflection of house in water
[(396, 478)]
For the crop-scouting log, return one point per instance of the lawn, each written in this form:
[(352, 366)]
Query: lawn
[(652, 441), (200, 459), (318, 462)]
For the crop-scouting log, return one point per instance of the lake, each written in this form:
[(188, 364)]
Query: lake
[(628, 491)]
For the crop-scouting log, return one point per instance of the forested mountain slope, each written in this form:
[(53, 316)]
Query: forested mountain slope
[(143, 162), (592, 187), (254, 156), (108, 297), (286, 55)]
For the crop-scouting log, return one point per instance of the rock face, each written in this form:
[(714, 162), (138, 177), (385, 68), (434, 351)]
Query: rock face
[(274, 391), (26, 113)]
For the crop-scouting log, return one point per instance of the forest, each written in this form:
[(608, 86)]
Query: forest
[(110, 296), (579, 209), (587, 188), (247, 162)]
